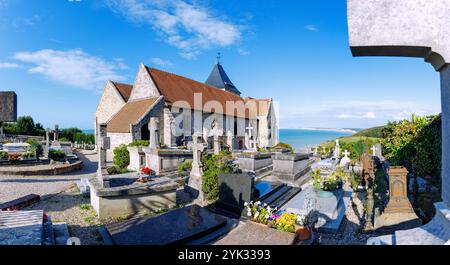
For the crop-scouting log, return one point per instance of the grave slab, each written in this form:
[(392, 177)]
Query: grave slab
[(179, 226), (21, 227)]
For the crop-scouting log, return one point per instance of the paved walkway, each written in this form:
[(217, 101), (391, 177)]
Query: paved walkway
[(13, 187)]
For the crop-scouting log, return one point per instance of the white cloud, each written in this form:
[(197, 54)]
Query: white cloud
[(187, 26), (161, 62), (311, 28), (6, 65), (26, 21), (243, 52), (351, 114), (71, 67), (367, 115)]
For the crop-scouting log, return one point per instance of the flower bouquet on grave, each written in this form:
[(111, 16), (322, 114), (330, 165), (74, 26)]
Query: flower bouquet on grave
[(145, 174), (259, 213), (14, 157)]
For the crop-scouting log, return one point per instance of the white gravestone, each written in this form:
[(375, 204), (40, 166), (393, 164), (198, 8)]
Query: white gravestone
[(345, 161)]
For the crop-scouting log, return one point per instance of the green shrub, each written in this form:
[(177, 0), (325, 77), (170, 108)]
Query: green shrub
[(283, 145), (355, 179), (262, 150), (28, 155), (3, 155), (36, 147), (185, 166), (415, 144), (56, 155), (213, 165), (121, 157), (139, 143)]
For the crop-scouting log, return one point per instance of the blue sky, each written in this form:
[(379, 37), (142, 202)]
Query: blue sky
[(58, 54)]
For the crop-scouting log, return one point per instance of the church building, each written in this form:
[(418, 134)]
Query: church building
[(172, 108)]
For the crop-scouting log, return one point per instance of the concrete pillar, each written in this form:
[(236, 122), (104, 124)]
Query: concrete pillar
[(445, 102)]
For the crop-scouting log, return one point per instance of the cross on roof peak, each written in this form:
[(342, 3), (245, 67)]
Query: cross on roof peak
[(218, 57)]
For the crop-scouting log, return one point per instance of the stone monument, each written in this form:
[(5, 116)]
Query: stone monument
[(103, 146), (410, 28), (216, 134), (8, 106), (399, 209), (195, 182), (154, 133), (337, 150)]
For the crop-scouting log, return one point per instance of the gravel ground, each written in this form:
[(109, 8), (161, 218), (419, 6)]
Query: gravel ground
[(13, 187), (75, 210)]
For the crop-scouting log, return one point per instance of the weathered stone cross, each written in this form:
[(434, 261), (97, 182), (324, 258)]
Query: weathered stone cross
[(346, 153), (195, 182)]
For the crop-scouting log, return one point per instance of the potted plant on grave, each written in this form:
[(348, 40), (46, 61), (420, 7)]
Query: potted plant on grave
[(286, 222), (303, 230), (259, 213)]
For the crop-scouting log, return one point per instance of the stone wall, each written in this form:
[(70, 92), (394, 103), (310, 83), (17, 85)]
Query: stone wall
[(144, 87), (120, 138), (110, 103)]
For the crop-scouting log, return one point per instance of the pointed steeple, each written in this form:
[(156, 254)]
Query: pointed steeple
[(218, 78)]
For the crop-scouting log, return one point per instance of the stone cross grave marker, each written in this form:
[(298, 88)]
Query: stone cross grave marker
[(154, 133), (195, 178), (216, 133), (337, 150), (102, 146), (345, 160), (374, 150), (251, 141)]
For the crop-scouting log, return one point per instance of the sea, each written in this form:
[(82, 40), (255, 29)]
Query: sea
[(300, 138)]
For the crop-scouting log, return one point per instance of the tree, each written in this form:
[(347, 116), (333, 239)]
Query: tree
[(25, 125), (70, 134)]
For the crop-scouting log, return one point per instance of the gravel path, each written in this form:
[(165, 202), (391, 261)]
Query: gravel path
[(13, 187)]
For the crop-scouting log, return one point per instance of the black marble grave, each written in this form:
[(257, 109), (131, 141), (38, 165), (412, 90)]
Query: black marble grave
[(180, 226), (235, 190)]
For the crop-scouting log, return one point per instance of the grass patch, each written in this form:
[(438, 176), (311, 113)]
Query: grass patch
[(85, 207)]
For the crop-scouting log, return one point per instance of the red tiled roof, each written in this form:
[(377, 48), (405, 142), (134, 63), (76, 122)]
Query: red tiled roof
[(130, 113), (177, 88), (124, 90)]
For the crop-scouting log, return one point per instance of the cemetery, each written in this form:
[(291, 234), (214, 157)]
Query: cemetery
[(213, 185)]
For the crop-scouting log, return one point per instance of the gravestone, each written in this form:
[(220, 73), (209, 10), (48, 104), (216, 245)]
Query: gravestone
[(103, 146), (337, 150), (216, 134), (368, 167), (327, 207), (399, 210), (180, 226), (8, 106), (291, 167), (345, 161), (154, 133), (195, 182), (235, 190), (410, 28)]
